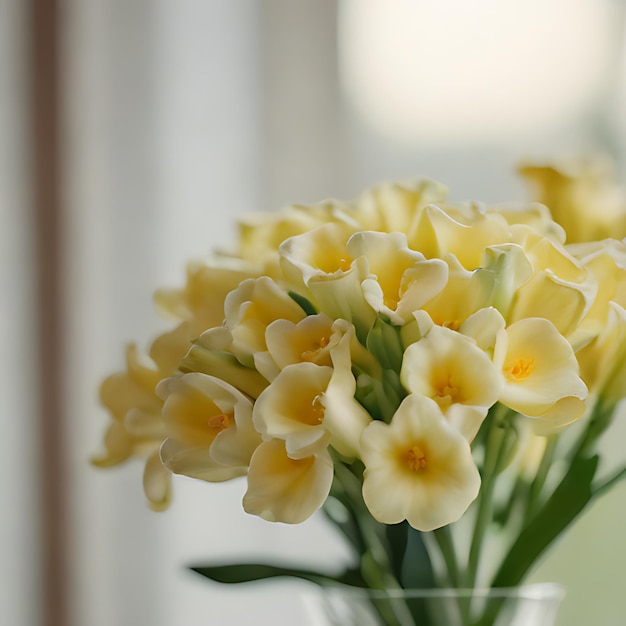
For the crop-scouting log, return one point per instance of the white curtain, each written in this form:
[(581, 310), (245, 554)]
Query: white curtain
[(170, 136)]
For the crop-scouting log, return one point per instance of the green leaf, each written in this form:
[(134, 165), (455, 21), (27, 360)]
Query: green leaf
[(417, 569), (250, 572), (564, 505), (396, 535), (304, 303)]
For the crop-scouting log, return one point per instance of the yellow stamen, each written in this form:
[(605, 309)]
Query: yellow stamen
[(221, 421), (446, 392), (416, 459), (344, 264), (452, 324), (317, 408), (316, 348), (521, 369)]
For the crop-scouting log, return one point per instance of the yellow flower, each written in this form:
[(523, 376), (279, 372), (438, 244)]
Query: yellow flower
[(250, 309), (287, 342), (583, 198), (323, 411), (262, 233), (292, 408), (313, 340), (462, 295), (399, 280), (452, 370), (417, 468), (606, 260), (209, 428), (540, 373), (532, 214), (461, 231), (201, 301), (603, 360), (282, 489), (136, 428), (393, 207), (319, 265), (560, 290)]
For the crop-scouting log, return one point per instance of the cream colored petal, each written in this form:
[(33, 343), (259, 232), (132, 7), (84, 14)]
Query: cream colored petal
[(417, 468), (308, 340), (196, 463), (225, 366), (462, 295), (437, 234), (547, 296), (292, 409), (400, 280), (563, 412), (157, 483), (250, 309), (344, 417), (281, 489), (539, 367), (393, 207), (118, 446), (483, 327), (452, 370), (209, 426)]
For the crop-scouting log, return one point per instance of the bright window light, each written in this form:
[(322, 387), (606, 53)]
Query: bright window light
[(459, 70)]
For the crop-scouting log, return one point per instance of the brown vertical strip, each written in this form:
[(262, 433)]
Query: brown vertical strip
[(44, 52)]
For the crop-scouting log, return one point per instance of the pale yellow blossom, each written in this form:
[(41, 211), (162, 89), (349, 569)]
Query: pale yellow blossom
[(583, 197), (209, 428), (283, 489), (318, 265), (452, 370), (394, 207), (136, 427), (287, 342), (311, 406), (541, 374), (417, 468), (262, 233), (250, 309), (399, 280), (465, 233), (201, 301), (291, 408), (606, 260), (603, 360)]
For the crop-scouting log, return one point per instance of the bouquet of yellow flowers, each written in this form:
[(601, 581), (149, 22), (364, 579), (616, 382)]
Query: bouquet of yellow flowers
[(435, 376)]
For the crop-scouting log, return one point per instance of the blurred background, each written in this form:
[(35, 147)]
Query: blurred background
[(132, 133)]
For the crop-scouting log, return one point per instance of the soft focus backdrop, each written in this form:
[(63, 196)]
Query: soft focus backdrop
[(175, 117)]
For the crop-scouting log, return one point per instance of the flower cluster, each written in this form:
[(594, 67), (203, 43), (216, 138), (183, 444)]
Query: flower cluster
[(377, 334)]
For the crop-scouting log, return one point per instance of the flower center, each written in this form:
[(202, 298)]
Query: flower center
[(316, 411), (521, 369), (316, 348), (452, 324), (446, 392), (221, 421), (416, 459), (344, 264)]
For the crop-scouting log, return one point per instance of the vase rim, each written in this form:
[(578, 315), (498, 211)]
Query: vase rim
[(529, 591)]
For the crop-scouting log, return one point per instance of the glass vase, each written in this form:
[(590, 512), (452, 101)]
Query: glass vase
[(530, 605)]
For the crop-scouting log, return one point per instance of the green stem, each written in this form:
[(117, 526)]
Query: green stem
[(443, 536), (537, 485), (496, 456)]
